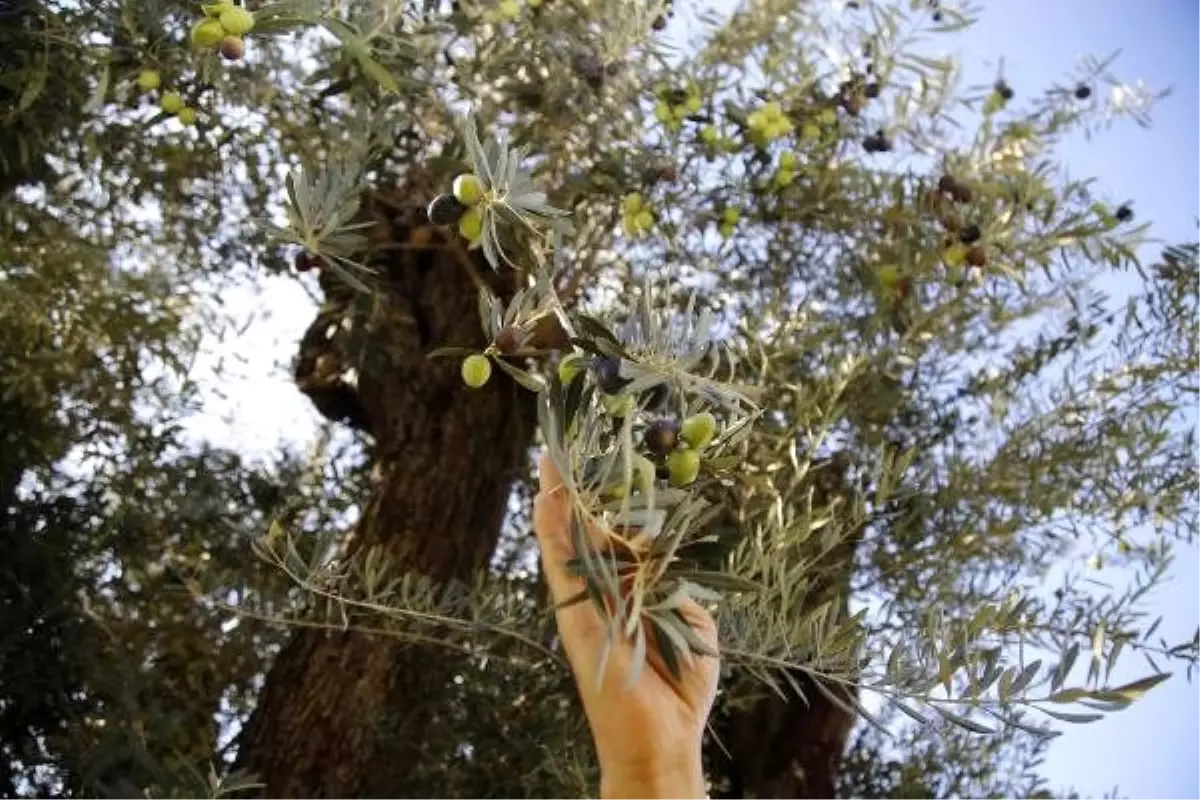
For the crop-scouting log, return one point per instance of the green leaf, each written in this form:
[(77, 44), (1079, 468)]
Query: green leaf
[(666, 647), (1067, 716), (1026, 677), (360, 50), (718, 580), (1137, 689), (963, 722), (638, 658), (1068, 696), (533, 383), (443, 352)]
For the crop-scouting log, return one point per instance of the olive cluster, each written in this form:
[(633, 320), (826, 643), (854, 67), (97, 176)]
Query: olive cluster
[(462, 206), (672, 448), (222, 28)]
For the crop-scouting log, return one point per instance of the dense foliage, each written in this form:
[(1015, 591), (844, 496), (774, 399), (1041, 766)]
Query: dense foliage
[(957, 427)]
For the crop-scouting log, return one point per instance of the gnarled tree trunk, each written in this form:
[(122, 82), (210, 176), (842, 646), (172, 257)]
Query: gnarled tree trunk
[(444, 459)]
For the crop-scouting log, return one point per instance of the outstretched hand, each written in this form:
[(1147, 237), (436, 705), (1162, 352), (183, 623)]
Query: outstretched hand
[(647, 736)]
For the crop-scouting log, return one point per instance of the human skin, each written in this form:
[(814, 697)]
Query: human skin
[(648, 736)]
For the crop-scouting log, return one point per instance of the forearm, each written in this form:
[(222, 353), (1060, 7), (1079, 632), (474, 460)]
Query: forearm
[(684, 779)]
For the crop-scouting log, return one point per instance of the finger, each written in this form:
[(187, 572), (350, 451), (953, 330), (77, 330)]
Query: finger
[(580, 624), (552, 526)]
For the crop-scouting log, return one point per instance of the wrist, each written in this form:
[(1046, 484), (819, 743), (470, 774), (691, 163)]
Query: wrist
[(656, 778)]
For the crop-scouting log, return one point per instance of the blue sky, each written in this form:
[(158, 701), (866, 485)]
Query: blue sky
[(1149, 750)]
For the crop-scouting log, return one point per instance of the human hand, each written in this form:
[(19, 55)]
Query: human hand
[(647, 736)]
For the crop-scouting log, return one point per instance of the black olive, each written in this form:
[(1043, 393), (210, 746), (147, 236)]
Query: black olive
[(662, 436), (608, 375), (970, 234), (1083, 91), (1124, 214), (445, 210)]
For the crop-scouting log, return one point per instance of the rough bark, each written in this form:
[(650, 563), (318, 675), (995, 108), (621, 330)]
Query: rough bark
[(444, 459)]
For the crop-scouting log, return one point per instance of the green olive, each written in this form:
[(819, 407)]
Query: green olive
[(237, 21), (148, 80), (468, 189), (476, 370), (888, 276), (643, 473), (470, 225), (569, 367), (207, 34), (699, 430), (619, 405), (683, 467), (171, 103)]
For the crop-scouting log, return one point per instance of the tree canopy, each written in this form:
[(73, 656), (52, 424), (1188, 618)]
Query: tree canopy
[(820, 335)]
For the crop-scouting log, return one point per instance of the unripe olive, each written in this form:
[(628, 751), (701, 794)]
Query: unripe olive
[(468, 189), (171, 103), (207, 34), (662, 436), (476, 370), (148, 80), (470, 225), (618, 406), (237, 21), (889, 276), (683, 467), (643, 473), (569, 368), (233, 48), (699, 430), (187, 115), (955, 255)]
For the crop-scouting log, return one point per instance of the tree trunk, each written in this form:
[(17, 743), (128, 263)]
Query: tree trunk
[(444, 459)]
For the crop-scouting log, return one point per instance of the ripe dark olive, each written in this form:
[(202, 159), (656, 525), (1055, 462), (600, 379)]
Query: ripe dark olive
[(976, 255), (937, 16), (659, 23), (872, 90), (877, 143), (233, 48), (961, 192), (1124, 214), (304, 262), (608, 375), (1004, 90), (1083, 91), (445, 210), (510, 339), (946, 184), (970, 234), (662, 436)]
